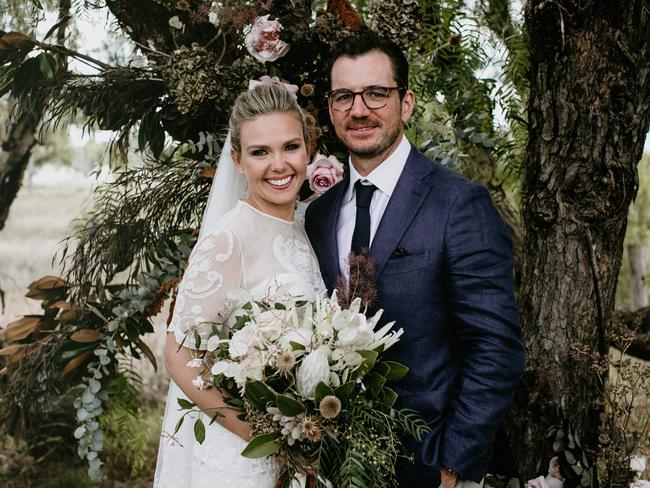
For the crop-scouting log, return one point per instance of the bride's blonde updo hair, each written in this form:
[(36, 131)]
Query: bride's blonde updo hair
[(262, 100)]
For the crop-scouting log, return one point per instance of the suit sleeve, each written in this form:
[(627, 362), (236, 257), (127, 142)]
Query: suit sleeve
[(484, 317)]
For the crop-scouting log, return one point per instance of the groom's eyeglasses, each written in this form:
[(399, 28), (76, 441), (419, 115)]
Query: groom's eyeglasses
[(373, 97)]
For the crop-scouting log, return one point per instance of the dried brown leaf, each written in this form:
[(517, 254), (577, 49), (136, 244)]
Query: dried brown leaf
[(86, 335), (22, 328), (77, 361)]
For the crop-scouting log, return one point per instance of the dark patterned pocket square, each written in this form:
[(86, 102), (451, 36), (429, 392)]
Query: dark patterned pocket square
[(399, 252)]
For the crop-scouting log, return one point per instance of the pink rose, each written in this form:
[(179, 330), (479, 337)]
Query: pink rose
[(554, 479), (263, 41), (324, 173), (268, 80)]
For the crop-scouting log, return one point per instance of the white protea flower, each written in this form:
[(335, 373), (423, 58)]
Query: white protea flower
[(386, 337), (313, 369), (299, 336)]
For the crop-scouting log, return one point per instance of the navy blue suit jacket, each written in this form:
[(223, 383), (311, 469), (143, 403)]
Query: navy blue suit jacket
[(453, 294)]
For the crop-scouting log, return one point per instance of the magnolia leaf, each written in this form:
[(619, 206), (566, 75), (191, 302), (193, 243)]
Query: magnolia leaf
[(77, 361), (369, 360), (258, 394), (396, 371), (14, 45), (9, 350), (387, 396), (374, 381), (382, 368), (262, 446), (322, 390), (61, 305), (86, 335), (199, 431), (289, 406), (14, 351), (43, 287), (345, 391), (22, 328)]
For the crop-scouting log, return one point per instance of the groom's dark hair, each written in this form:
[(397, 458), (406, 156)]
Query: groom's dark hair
[(367, 41)]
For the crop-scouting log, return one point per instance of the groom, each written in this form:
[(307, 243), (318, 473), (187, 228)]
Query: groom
[(443, 266)]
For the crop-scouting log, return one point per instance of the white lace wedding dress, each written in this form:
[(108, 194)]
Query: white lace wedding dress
[(250, 250)]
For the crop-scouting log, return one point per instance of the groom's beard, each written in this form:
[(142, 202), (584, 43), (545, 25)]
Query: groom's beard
[(383, 147)]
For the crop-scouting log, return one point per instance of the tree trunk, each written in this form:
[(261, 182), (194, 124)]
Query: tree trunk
[(638, 290), (16, 151), (20, 137), (589, 110)]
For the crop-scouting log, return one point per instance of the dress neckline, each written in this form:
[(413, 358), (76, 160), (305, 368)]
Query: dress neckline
[(263, 214)]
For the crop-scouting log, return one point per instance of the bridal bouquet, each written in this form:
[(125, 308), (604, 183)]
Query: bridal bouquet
[(310, 379)]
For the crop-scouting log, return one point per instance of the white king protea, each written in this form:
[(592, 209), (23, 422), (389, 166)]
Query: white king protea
[(313, 369)]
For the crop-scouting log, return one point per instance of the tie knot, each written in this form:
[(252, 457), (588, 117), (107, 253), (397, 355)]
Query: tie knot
[(364, 194)]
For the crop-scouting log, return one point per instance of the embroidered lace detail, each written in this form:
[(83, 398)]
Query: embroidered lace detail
[(201, 298), (297, 257)]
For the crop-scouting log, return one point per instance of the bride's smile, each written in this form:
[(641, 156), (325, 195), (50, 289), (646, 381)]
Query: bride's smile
[(273, 158)]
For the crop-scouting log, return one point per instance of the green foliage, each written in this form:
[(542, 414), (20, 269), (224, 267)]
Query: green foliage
[(135, 223), (368, 452), (132, 432)]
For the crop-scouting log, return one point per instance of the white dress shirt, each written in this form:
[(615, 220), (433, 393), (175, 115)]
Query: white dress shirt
[(384, 177)]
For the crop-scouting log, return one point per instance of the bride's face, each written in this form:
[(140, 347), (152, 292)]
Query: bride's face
[(274, 159)]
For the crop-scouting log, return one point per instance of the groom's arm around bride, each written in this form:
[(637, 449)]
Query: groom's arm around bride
[(443, 265)]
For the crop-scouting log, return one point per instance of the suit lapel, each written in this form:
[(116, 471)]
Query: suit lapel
[(330, 250), (408, 196)]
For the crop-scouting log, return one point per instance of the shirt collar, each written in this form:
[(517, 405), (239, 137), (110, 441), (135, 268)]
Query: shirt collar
[(384, 176)]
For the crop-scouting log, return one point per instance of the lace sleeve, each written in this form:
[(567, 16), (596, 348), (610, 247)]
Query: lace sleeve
[(214, 268)]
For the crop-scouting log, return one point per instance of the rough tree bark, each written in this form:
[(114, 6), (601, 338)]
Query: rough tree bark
[(20, 136), (16, 152), (589, 110)]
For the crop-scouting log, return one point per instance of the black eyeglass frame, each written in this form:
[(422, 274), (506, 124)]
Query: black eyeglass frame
[(354, 94)]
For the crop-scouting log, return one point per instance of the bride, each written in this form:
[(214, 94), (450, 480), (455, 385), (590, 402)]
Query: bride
[(252, 244)]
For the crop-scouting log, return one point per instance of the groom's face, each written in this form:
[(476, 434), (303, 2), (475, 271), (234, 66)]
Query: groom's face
[(371, 135)]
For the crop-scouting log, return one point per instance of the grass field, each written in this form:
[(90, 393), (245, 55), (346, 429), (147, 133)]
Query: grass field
[(38, 220)]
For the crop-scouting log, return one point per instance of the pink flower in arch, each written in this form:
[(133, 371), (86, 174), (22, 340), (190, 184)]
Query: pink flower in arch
[(263, 41)]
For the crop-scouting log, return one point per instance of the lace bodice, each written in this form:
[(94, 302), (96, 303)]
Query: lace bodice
[(248, 249)]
